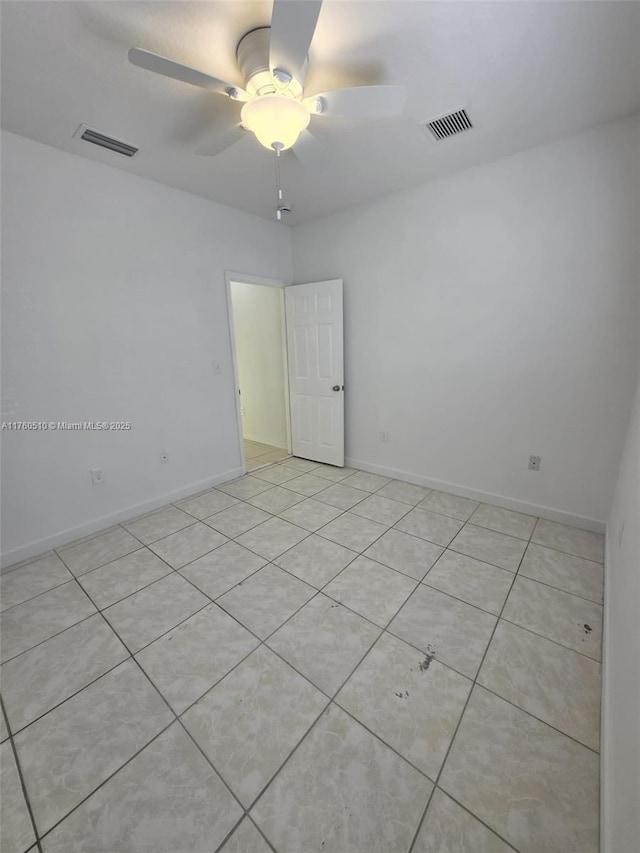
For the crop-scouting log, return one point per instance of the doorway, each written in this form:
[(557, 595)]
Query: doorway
[(257, 314)]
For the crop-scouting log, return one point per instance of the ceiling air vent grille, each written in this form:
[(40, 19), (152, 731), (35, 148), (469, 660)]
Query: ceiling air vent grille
[(96, 138), (449, 125)]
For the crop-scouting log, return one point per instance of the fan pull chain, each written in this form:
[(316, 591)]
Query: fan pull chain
[(280, 208)]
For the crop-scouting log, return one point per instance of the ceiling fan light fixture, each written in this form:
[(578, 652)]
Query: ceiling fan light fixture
[(276, 120)]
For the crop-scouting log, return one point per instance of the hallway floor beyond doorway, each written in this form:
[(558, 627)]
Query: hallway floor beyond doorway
[(258, 455)]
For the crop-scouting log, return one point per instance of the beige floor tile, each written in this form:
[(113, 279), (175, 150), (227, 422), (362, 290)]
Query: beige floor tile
[(311, 514), (16, 829), (187, 545), (98, 550), (553, 683), (367, 482), (448, 828), (408, 554), (383, 510), (316, 560), (302, 466), (277, 474), (413, 707), (333, 473), (245, 487), (504, 521), (32, 579), (436, 528), (46, 675), (490, 547), (452, 632), (272, 538), (266, 599), (157, 525), (580, 543), (274, 456), (371, 589), (251, 721), (535, 787), (307, 484), (353, 532), (246, 839), (256, 448), (122, 577), (341, 496), (80, 743), (452, 505), (145, 615), (473, 581), (564, 571), (361, 795), (276, 499), (191, 658), (567, 619), (237, 519), (219, 571), (524, 760), (324, 641), (407, 493), (167, 800), (31, 622), (206, 504)]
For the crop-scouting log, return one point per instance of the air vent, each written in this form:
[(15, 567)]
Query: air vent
[(449, 125), (96, 138)]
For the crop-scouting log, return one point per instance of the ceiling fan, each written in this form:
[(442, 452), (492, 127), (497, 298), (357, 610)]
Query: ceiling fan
[(273, 62)]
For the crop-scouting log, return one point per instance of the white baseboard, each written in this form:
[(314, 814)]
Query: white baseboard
[(547, 512), (64, 537)]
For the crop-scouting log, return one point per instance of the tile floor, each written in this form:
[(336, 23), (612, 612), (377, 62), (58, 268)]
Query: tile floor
[(258, 455), (306, 659)]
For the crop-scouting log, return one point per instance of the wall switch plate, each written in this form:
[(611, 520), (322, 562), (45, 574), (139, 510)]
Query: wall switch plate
[(97, 476), (534, 463), (164, 457), (384, 435)]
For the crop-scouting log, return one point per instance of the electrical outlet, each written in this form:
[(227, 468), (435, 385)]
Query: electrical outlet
[(384, 435), (164, 457), (534, 463), (97, 476)]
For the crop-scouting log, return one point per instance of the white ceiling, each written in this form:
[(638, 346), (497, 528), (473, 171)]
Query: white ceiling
[(528, 73)]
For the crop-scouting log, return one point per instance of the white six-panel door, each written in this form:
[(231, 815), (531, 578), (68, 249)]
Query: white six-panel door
[(316, 370)]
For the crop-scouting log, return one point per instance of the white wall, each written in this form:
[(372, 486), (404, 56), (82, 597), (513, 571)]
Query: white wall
[(620, 737), (621, 689), (114, 308), (257, 319), (488, 316)]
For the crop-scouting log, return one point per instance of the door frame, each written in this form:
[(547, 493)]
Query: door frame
[(249, 278)]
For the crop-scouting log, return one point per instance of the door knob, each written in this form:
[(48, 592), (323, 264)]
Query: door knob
[(337, 388)]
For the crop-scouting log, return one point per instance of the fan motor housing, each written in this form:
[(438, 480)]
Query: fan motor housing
[(253, 59)]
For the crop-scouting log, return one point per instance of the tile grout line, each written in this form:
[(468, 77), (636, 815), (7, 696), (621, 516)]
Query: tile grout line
[(462, 715), (21, 778)]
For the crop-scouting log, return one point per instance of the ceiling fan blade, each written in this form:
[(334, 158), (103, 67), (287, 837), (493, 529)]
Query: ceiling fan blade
[(184, 73), (223, 140), (293, 23), (360, 102), (308, 150)]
